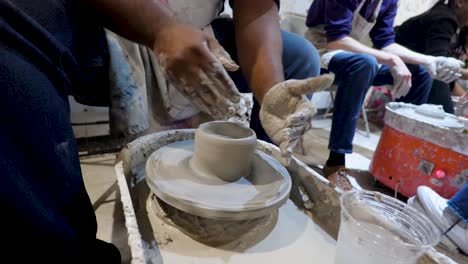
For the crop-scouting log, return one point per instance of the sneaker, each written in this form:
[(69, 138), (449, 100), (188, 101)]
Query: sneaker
[(414, 202), (437, 210), (444, 240)]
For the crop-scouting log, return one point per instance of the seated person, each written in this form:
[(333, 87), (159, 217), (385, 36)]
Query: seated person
[(49, 49), (451, 216), (338, 29), (432, 33)]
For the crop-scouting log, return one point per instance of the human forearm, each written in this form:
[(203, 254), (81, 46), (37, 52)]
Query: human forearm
[(440, 68), (400, 73), (138, 20), (259, 44), (407, 55), (352, 45)]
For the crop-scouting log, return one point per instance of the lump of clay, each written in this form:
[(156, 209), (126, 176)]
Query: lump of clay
[(227, 233)]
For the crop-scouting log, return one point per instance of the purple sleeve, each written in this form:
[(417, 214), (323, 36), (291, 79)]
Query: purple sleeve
[(338, 18), (383, 33)]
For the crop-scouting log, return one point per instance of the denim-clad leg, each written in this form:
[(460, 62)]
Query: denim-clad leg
[(300, 61), (459, 203), (354, 74)]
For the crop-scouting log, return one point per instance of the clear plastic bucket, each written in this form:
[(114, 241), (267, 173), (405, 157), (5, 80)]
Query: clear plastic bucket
[(378, 229)]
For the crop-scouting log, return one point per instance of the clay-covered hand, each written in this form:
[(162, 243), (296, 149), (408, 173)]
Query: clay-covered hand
[(195, 63), (445, 69), (401, 78), (448, 69), (286, 113)]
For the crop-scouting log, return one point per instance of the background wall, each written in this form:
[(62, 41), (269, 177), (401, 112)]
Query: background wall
[(295, 6), (410, 8)]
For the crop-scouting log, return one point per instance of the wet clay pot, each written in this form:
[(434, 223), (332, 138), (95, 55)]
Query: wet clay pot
[(219, 175), (224, 150)]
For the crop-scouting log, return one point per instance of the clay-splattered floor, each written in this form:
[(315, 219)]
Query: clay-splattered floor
[(101, 183)]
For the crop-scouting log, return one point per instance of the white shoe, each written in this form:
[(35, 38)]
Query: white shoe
[(414, 202), (444, 240), (437, 210)]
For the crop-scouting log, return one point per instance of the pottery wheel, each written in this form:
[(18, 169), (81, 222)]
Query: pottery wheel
[(170, 176), (433, 115)]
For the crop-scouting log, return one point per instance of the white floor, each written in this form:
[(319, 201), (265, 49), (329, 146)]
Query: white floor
[(360, 137), (355, 160)]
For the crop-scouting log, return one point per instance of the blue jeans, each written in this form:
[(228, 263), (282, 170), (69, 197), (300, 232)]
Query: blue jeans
[(300, 61), (354, 74), (459, 203)]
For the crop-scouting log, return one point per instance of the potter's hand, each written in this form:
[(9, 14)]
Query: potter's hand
[(195, 63), (401, 78), (445, 69), (286, 113)]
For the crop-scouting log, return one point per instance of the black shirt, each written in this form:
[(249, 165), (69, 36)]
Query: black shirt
[(430, 33)]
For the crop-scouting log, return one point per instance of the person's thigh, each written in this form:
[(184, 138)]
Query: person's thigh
[(301, 59), (355, 67), (383, 77), (354, 74), (42, 189)]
